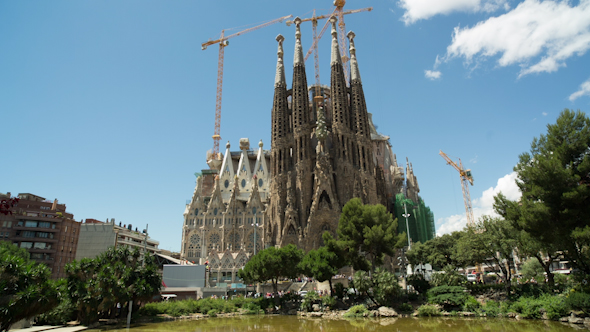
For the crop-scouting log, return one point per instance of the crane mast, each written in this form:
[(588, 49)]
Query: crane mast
[(223, 42), (466, 179)]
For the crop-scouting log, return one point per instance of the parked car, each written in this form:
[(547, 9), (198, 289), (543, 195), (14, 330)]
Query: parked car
[(472, 277)]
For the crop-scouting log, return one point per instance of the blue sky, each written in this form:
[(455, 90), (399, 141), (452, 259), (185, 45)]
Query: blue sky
[(109, 106)]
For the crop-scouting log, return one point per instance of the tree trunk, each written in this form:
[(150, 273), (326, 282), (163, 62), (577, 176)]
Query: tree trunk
[(547, 267), (331, 289)]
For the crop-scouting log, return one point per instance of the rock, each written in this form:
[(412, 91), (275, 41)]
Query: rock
[(467, 314), (292, 312), (315, 314), (511, 315), (386, 312), (576, 320), (564, 319), (316, 307)]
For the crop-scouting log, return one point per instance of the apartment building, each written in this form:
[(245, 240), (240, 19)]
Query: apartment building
[(43, 227)]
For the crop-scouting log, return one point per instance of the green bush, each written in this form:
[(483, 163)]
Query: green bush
[(420, 284), (447, 296), (60, 315), (252, 309), (329, 301), (493, 309), (471, 305), (405, 307), (356, 311), (578, 301), (212, 313), (309, 300), (386, 288), (528, 307), (428, 310)]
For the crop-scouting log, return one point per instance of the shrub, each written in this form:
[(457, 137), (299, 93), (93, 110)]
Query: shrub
[(420, 284), (428, 310), (491, 308), (553, 305), (356, 311), (447, 296), (578, 301), (212, 313), (309, 299), (252, 309), (329, 301), (471, 305), (405, 307), (60, 315), (386, 287)]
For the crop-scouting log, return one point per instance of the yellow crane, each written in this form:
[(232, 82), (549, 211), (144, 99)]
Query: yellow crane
[(316, 37), (466, 178), (223, 42)]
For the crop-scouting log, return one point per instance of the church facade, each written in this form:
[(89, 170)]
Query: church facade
[(324, 151)]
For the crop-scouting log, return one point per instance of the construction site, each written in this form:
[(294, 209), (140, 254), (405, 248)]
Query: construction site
[(324, 151)]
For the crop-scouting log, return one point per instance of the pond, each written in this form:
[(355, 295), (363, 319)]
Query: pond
[(294, 323)]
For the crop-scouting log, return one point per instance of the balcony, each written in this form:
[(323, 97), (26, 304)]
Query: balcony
[(36, 229), (20, 238), (37, 218)]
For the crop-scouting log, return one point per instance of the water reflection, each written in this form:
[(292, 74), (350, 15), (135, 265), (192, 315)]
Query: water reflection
[(293, 324)]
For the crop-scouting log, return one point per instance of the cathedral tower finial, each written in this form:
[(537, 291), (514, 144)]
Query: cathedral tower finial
[(335, 51), (298, 58), (354, 68), (280, 76)]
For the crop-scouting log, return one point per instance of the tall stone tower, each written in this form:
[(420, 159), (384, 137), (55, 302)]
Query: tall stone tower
[(318, 166)]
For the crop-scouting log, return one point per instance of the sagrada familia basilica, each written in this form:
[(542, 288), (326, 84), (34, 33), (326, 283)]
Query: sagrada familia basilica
[(324, 151)]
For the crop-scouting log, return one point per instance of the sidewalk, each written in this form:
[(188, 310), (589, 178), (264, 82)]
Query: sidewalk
[(49, 328)]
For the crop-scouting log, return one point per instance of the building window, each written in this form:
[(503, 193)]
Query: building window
[(26, 245)]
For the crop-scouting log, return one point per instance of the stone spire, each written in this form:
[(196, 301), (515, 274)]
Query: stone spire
[(338, 89), (358, 106), (300, 99), (335, 51), (280, 76), (354, 68), (298, 58)]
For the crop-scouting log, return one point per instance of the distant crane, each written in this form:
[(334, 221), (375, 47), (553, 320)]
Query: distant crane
[(314, 47), (223, 42), (466, 178)]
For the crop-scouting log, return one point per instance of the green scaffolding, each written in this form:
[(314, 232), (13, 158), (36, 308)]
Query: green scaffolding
[(420, 221)]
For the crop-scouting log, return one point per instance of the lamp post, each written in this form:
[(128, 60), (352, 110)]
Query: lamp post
[(407, 215), (255, 224)]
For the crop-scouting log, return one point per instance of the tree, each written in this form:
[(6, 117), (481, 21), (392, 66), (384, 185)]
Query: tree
[(6, 205), (491, 241), (554, 178), (440, 252), (25, 286), (365, 234), (322, 264), (118, 275), (272, 264)]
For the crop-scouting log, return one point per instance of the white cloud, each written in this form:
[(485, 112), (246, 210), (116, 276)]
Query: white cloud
[(481, 206), (583, 91), (432, 74), (544, 113), (425, 9), (551, 30)]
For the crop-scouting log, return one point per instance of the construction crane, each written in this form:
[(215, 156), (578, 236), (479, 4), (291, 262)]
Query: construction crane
[(314, 47), (223, 42), (466, 178)]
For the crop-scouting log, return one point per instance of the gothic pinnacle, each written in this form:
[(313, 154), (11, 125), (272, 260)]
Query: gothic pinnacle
[(354, 68), (298, 58), (280, 76), (335, 51)]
